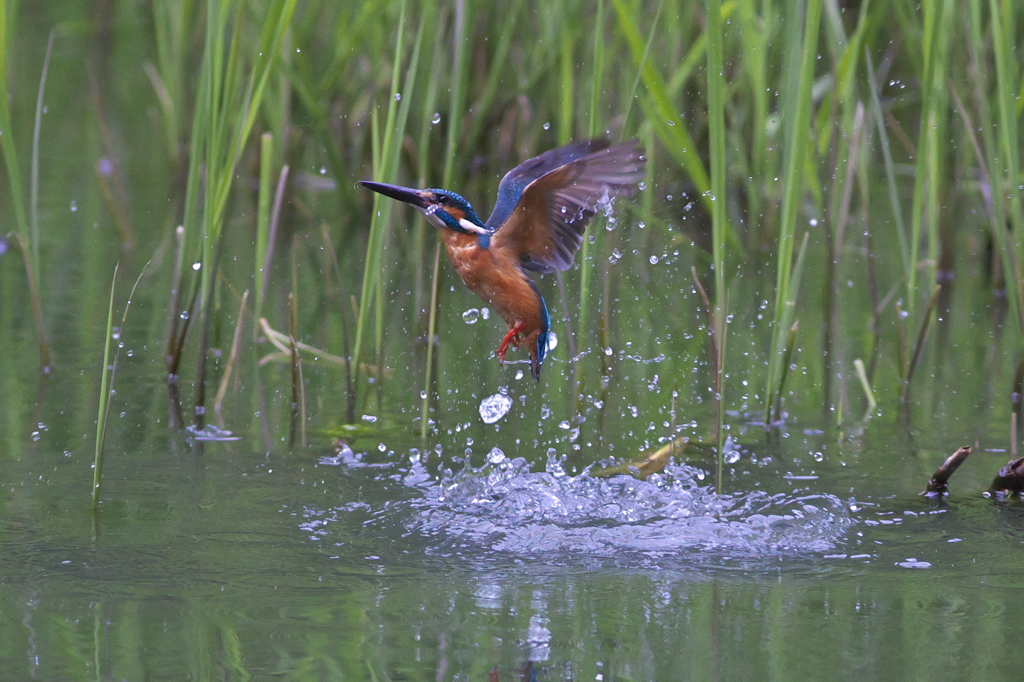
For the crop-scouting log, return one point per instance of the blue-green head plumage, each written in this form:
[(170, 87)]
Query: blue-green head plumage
[(452, 209)]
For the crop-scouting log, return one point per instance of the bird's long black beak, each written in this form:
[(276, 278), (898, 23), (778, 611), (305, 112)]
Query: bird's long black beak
[(406, 194)]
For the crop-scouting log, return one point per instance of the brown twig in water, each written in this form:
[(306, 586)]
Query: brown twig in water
[(218, 401), (937, 486), (1010, 478), (709, 313)]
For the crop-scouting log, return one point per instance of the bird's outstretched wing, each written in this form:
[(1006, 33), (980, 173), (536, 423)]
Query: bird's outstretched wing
[(544, 204)]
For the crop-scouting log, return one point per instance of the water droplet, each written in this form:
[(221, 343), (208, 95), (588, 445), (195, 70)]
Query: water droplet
[(552, 341), (74, 205), (642, 186), (547, 126), (382, 447), (494, 407), (615, 256), (369, 418), (323, 170), (196, 266), (813, 222), (495, 456), (653, 260), (436, 118), (184, 315), (471, 316), (485, 313), (398, 97)]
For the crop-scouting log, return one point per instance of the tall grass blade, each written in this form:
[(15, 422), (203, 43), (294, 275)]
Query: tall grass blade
[(719, 221), (107, 379), (1006, 189), (103, 411), (33, 204), (7, 146), (665, 118), (260, 277), (796, 110), (890, 170), (386, 157)]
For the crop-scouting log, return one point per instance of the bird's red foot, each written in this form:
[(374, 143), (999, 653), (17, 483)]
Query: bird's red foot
[(510, 337)]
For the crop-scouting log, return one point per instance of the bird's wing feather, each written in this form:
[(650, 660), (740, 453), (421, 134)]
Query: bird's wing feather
[(566, 185), (511, 187)]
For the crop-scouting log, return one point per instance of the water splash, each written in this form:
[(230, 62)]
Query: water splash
[(210, 433), (494, 407), (506, 509)]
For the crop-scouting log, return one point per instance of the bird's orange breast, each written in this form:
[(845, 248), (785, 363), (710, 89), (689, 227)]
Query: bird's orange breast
[(495, 277)]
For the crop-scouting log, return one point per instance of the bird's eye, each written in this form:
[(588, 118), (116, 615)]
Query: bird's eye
[(442, 199)]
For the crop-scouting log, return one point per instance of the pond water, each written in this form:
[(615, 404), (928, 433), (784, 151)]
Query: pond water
[(485, 547)]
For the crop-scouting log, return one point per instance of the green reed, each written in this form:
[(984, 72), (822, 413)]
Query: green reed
[(108, 375), (386, 149), (236, 66), (27, 224), (1004, 153), (796, 109), (719, 220), (103, 409), (7, 139)]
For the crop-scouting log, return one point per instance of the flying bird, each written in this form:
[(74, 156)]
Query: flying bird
[(543, 207)]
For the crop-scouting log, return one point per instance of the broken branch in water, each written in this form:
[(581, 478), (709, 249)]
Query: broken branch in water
[(651, 464), (1010, 478), (937, 486)]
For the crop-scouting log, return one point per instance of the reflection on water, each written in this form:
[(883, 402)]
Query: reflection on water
[(504, 507)]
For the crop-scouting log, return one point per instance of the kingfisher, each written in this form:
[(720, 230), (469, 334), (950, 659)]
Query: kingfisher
[(537, 224)]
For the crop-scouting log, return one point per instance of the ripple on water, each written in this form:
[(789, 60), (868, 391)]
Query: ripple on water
[(551, 515)]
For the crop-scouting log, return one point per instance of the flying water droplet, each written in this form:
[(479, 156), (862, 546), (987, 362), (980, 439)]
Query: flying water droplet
[(436, 119), (547, 126), (471, 316), (398, 97), (552, 342), (732, 453), (494, 407)]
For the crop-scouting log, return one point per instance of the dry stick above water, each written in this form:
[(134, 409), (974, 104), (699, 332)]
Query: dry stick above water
[(937, 485)]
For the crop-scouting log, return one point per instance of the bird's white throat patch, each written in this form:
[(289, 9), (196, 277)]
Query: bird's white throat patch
[(471, 227)]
